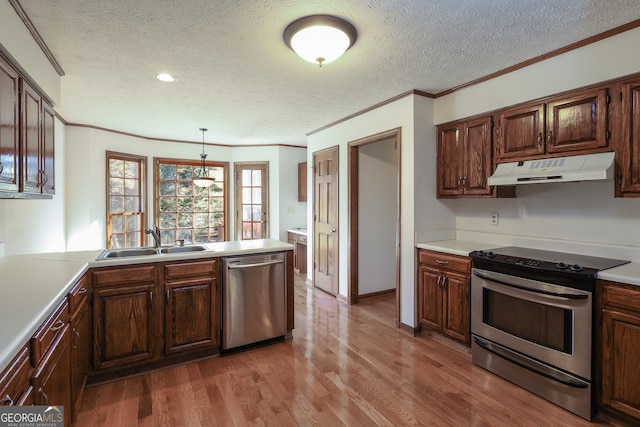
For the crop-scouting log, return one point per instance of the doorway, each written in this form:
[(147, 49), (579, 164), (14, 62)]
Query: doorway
[(252, 197), (325, 220), (374, 217)]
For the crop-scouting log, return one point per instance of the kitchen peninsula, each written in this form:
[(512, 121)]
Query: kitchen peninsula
[(43, 293)]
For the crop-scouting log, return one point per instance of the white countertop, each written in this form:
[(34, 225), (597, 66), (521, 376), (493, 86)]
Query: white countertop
[(299, 230), (627, 273), (33, 285)]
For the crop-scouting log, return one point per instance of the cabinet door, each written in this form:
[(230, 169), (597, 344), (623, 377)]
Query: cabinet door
[(429, 297), (456, 306), (8, 127), (620, 361), (191, 315), (47, 175), (80, 352), (630, 158), (51, 377), (450, 160), (578, 122), (477, 156), (521, 132), (124, 324), (30, 140)]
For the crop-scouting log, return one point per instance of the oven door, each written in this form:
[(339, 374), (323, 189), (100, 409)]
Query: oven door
[(547, 322)]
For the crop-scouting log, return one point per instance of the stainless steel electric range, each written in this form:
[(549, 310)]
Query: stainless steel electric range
[(532, 317)]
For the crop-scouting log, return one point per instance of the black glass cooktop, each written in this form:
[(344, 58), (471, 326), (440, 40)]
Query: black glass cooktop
[(541, 259)]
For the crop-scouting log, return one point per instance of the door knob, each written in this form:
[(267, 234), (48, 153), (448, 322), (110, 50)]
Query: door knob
[(333, 230)]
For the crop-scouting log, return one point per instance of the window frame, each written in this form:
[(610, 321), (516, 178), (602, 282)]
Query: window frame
[(142, 193), (158, 161)]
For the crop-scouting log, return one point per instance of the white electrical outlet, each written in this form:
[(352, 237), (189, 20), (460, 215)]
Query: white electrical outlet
[(494, 218)]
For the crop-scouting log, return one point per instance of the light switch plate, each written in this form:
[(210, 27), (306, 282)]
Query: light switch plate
[(494, 218)]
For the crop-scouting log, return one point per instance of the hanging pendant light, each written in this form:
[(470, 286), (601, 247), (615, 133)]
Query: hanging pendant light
[(320, 39), (203, 180)]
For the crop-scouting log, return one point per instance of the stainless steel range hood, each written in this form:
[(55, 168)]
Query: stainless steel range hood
[(587, 167)]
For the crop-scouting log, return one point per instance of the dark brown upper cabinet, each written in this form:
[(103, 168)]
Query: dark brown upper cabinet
[(569, 124), (27, 138), (9, 121), (464, 159)]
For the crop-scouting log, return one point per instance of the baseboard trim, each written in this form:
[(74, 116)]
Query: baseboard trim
[(378, 293), (409, 330)]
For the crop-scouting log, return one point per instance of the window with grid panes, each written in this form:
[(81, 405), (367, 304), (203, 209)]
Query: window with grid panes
[(185, 211), (125, 200)]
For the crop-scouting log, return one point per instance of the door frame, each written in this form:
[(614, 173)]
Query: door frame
[(353, 215)]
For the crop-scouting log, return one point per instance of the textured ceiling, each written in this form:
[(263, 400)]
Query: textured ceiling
[(238, 78)]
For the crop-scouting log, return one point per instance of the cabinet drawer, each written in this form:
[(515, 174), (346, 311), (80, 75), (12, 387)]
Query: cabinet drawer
[(49, 331), (302, 239), (79, 292), (445, 261), (14, 381), (622, 296), (124, 276), (207, 268)]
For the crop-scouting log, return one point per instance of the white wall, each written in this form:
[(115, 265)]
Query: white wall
[(572, 213), (414, 115), (29, 226), (377, 196), (17, 41), (293, 214), (86, 171)]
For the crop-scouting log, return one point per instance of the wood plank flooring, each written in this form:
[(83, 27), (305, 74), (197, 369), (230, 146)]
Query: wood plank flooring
[(345, 366)]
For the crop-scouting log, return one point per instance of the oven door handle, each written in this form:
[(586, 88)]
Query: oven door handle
[(528, 365), (537, 291)]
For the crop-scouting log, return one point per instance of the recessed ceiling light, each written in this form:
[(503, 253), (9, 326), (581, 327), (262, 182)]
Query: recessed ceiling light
[(165, 77)]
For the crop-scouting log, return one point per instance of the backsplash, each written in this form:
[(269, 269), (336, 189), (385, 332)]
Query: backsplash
[(580, 213)]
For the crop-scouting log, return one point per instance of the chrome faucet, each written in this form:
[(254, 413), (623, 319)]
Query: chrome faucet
[(155, 233)]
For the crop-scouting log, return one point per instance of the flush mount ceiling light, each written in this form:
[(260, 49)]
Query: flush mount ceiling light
[(203, 180), (165, 77), (320, 39)]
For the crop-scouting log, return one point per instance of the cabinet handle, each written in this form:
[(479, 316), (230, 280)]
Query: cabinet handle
[(58, 325), (540, 139), (438, 281), (439, 261), (45, 178), (151, 298), (464, 182), (444, 282), (46, 398), (168, 295), (8, 399), (82, 291), (550, 138), (78, 339)]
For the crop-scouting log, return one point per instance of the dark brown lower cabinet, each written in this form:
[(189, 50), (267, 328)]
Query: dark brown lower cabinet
[(620, 354), (124, 325), (80, 324), (444, 294), (50, 380)]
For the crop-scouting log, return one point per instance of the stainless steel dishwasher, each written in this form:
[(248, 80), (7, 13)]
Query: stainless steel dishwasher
[(254, 300)]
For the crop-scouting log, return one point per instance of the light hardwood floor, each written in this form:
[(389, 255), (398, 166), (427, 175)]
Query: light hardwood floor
[(344, 366)]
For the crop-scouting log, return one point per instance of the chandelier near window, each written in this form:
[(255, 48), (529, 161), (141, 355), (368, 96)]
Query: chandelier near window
[(203, 180)]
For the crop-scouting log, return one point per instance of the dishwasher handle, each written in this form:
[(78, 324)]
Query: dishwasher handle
[(257, 264)]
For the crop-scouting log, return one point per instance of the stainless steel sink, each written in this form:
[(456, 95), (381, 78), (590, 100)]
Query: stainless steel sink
[(180, 249), (127, 252), (137, 252)]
